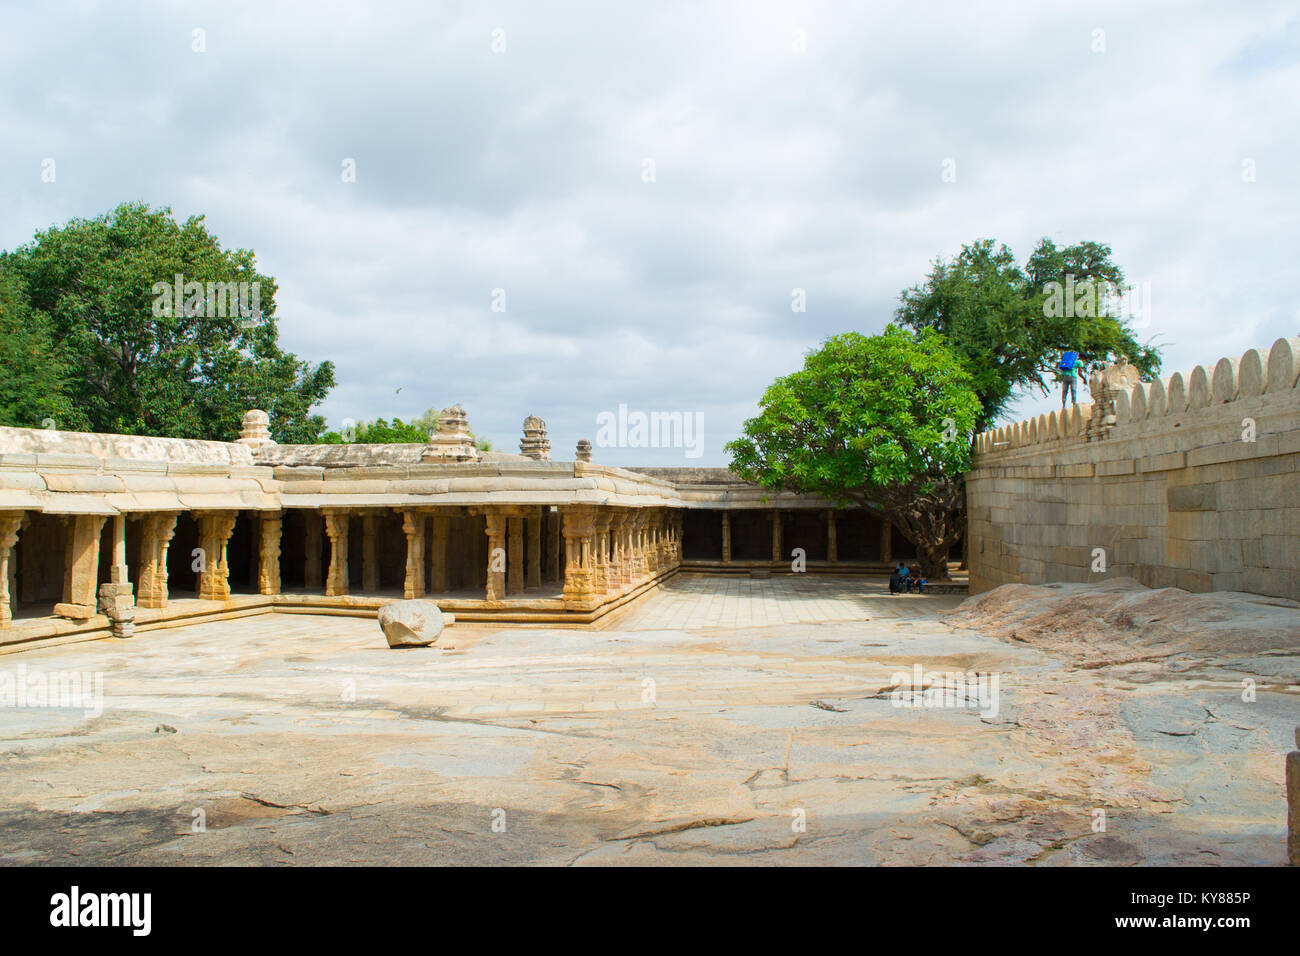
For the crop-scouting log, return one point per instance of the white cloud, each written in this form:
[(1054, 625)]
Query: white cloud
[(774, 170)]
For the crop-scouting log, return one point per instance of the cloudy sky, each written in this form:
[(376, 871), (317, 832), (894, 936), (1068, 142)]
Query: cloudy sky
[(503, 146)]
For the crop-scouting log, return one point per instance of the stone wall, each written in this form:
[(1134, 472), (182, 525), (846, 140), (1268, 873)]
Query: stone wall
[(1194, 485)]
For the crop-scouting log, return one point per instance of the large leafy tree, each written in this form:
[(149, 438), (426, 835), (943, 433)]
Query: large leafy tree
[(34, 375), (1002, 320), (142, 362), (378, 432), (881, 421)]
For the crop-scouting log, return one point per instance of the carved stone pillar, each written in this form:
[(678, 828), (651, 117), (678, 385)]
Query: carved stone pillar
[(652, 541), (832, 541), (369, 562), (336, 526), (777, 550), (886, 541), (579, 527), (643, 545), (81, 574), (156, 531), (311, 572), (10, 523), (268, 553), (413, 528), (515, 556), (616, 572), (215, 528), (555, 547), (438, 534), (603, 576), (495, 527), (533, 576), (115, 598), (726, 537)]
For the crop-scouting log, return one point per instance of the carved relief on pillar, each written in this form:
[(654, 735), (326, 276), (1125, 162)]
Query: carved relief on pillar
[(156, 532), (579, 531), (726, 537), (641, 546), (10, 524), (651, 541), (602, 565), (215, 528), (268, 553), (413, 527), (616, 572)]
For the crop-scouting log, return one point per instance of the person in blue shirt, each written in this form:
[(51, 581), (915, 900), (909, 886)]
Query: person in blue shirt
[(1068, 369)]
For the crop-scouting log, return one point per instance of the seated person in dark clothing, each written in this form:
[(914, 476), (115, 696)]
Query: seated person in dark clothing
[(898, 580), (914, 579)]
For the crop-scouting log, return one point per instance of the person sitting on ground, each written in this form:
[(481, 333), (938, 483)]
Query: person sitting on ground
[(914, 579), (898, 580)]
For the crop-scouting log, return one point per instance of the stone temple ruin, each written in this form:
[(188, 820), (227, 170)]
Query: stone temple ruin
[(1191, 481), (104, 534)]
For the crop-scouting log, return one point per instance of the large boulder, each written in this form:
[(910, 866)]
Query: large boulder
[(411, 623)]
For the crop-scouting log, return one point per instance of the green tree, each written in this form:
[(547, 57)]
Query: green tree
[(883, 422), (378, 432), (1001, 319), (147, 361), (34, 376)]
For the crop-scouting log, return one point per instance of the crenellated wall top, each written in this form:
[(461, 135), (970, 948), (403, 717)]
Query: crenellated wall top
[(1267, 377)]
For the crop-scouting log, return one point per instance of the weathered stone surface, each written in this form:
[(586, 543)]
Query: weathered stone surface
[(1121, 620), (554, 728), (411, 623)]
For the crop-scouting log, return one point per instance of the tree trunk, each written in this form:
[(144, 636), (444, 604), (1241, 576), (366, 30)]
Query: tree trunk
[(931, 520), (934, 561)]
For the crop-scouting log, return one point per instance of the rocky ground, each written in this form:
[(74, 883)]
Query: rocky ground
[(1131, 727)]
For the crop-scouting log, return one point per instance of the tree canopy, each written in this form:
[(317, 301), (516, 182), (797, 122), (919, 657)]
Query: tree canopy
[(883, 421), (380, 432), (1010, 324), (161, 330), (34, 376)]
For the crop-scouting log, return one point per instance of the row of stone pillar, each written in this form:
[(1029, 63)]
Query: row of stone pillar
[(83, 594), (516, 542), (598, 550), (608, 550), (832, 542)]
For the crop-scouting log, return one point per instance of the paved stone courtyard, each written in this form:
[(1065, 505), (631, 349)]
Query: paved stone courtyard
[(721, 719)]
